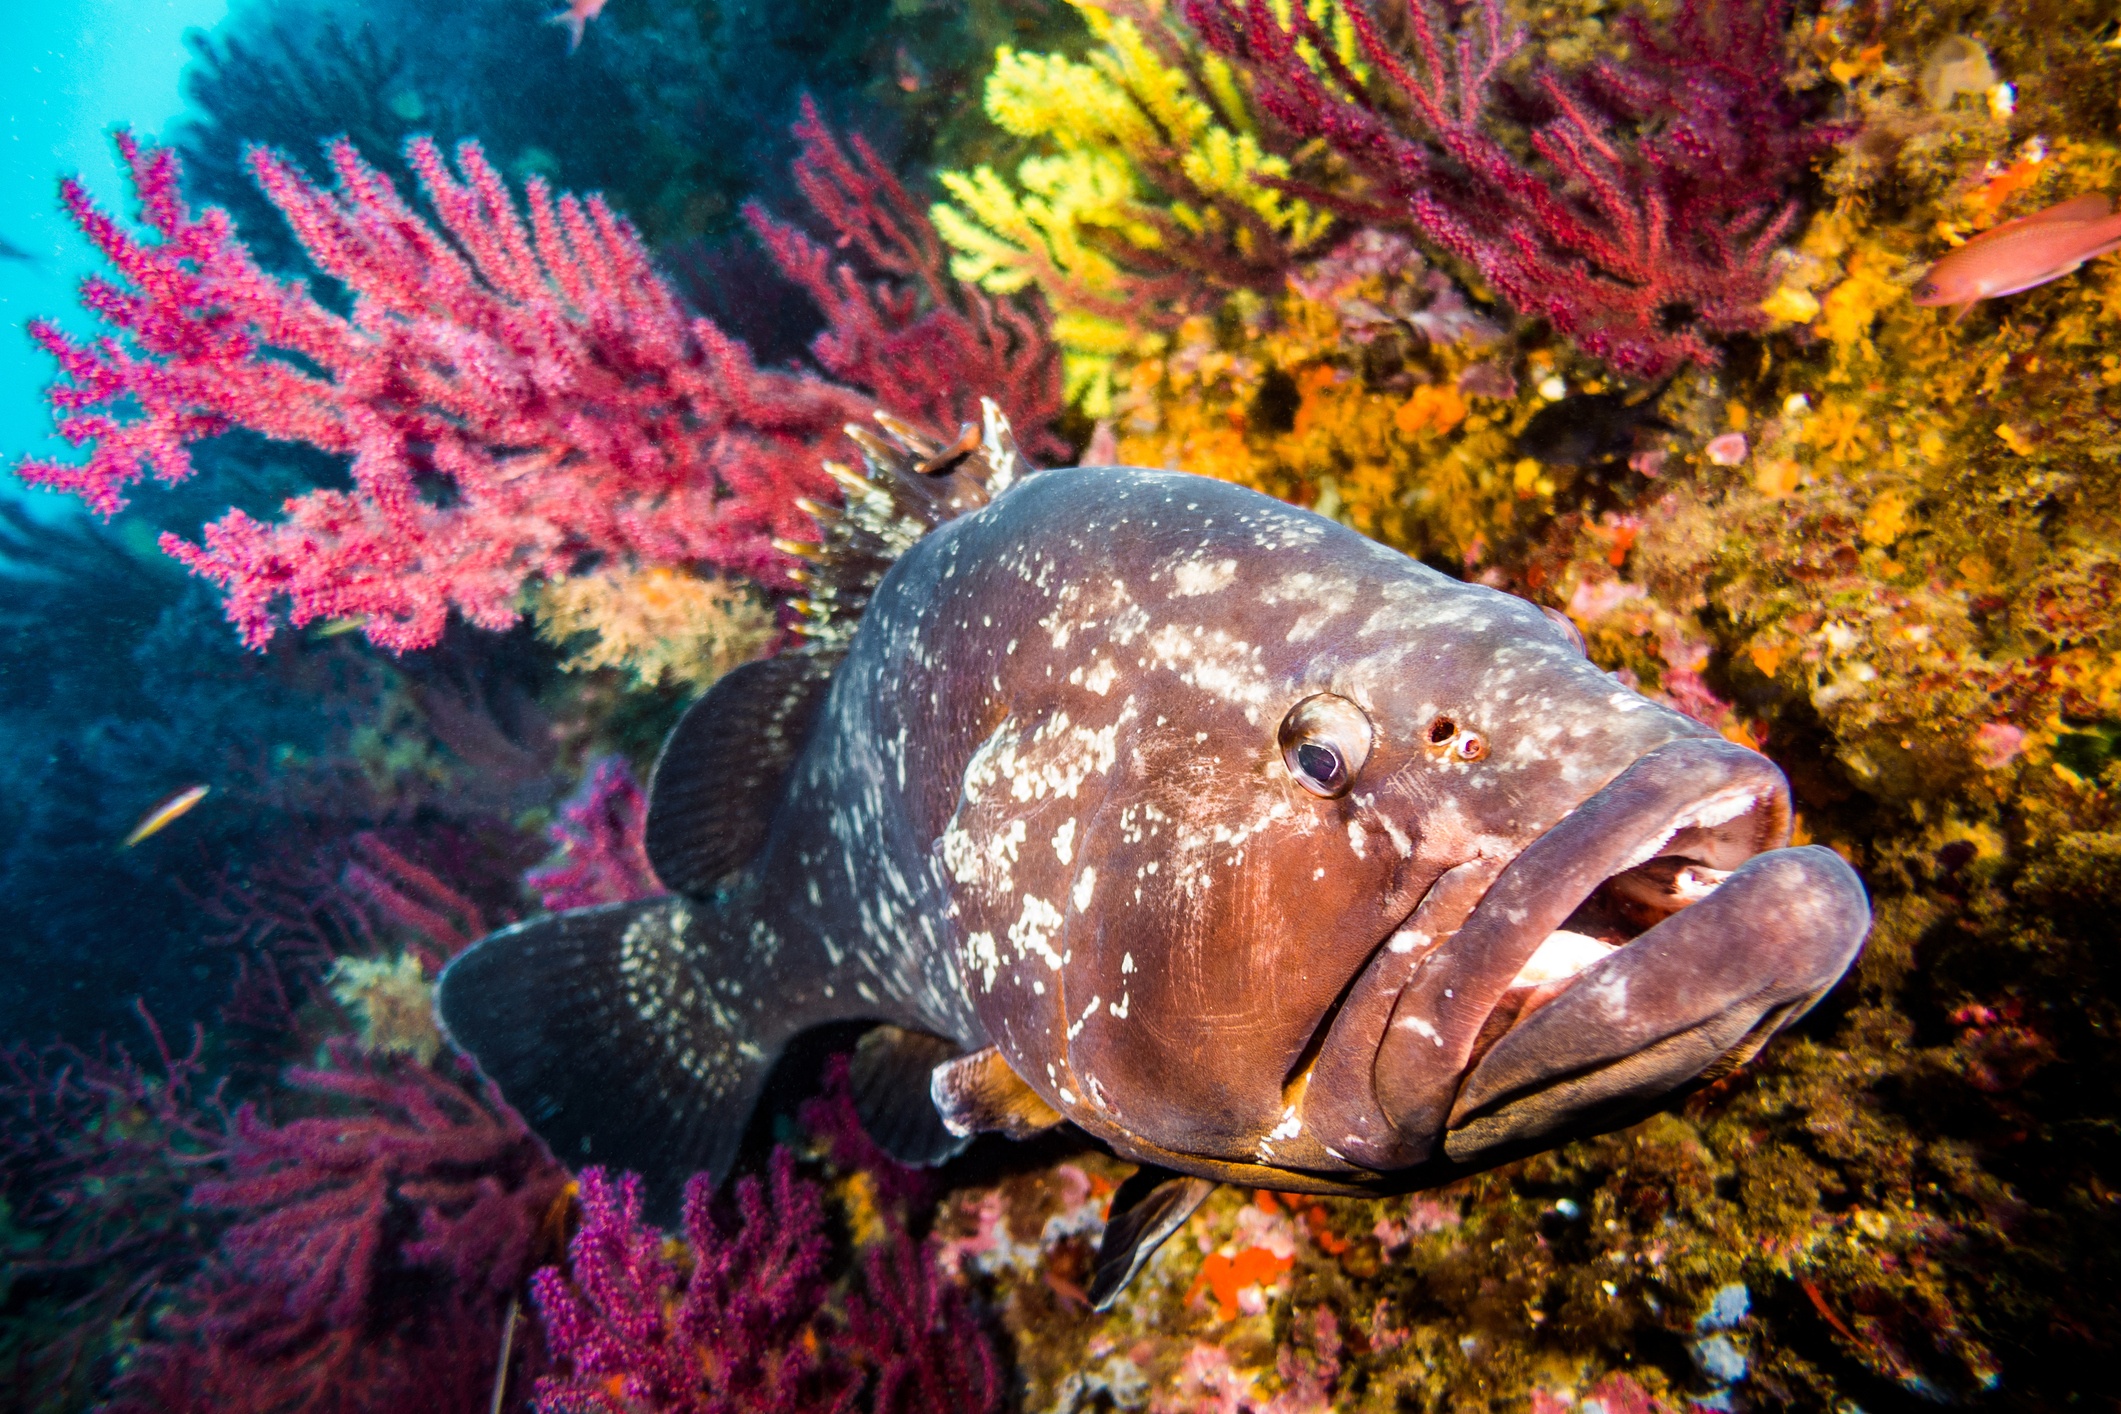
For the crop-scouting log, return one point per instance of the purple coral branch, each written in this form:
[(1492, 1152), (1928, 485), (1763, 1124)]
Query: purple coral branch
[(1643, 227), (743, 1322), (600, 835)]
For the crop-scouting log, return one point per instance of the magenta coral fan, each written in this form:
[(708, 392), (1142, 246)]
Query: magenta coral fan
[(929, 345), (513, 398), (738, 1324), (603, 857), (372, 1254), (1661, 184)]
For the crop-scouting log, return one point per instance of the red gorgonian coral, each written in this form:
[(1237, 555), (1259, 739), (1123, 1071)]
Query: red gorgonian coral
[(896, 321), (601, 837), (516, 399), (740, 1321), (1658, 189), (512, 398), (373, 1253)]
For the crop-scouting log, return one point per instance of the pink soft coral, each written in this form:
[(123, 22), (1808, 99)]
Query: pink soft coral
[(516, 399), (600, 835), (373, 1253)]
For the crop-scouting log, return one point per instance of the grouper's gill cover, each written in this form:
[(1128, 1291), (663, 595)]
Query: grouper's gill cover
[(1140, 800)]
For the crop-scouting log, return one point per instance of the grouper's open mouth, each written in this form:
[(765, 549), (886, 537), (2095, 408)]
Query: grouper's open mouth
[(1655, 931)]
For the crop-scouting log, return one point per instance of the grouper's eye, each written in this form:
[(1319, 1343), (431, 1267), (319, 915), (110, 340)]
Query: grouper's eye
[(1324, 742)]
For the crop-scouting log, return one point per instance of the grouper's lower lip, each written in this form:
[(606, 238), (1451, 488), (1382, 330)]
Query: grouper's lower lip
[(1641, 852), (1713, 980)]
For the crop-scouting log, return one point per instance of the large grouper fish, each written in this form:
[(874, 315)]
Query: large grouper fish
[(1143, 802)]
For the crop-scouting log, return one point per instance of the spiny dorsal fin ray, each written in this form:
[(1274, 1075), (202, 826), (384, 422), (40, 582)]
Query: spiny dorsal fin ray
[(908, 484), (719, 779)]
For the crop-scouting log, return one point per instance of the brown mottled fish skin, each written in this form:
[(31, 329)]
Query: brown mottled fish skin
[(1045, 807)]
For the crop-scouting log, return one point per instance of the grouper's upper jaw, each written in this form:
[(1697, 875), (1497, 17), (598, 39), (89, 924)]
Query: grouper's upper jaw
[(1656, 930)]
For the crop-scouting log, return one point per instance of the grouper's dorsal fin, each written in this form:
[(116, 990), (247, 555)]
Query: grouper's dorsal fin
[(718, 781), (907, 486)]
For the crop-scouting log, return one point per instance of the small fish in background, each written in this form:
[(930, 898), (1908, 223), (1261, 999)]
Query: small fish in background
[(10, 251), (2020, 254), (576, 18), (1591, 428), (163, 815), (910, 73)]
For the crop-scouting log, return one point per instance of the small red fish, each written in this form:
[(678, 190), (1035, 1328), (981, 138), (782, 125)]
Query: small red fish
[(2020, 254), (576, 17)]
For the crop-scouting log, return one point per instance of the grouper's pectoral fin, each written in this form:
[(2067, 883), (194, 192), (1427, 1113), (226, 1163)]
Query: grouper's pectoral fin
[(980, 1094), (1149, 1207), (599, 1028), (719, 778), (889, 1076)]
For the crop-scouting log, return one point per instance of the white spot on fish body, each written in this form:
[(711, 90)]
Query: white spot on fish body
[(1408, 939), (1034, 929), (1290, 1125), (1197, 577), (1064, 841), (1356, 839), (1421, 1028), (1085, 882), (981, 953)]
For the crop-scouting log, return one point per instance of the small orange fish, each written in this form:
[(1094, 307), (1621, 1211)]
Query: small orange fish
[(2020, 254), (576, 17), (154, 820)]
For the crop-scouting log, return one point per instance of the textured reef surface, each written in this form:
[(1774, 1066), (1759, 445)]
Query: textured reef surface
[(480, 478)]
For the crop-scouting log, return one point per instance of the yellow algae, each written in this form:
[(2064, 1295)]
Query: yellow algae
[(1887, 519), (1852, 306), (392, 1002), (2011, 437), (1141, 196), (657, 625), (1791, 305)]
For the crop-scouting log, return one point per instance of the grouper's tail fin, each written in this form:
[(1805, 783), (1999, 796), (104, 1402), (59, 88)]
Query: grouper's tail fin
[(598, 1027)]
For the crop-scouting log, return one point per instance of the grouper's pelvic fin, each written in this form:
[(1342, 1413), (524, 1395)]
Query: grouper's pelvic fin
[(599, 1027)]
